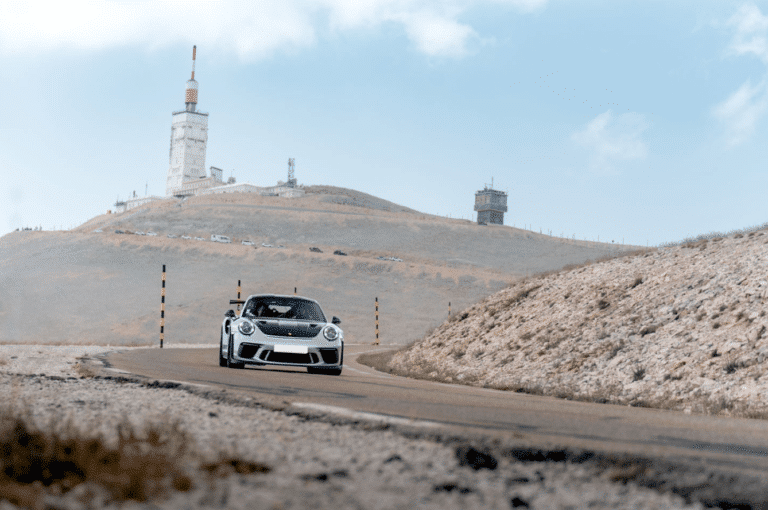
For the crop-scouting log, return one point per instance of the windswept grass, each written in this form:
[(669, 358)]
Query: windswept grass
[(695, 241), (142, 464), (82, 369)]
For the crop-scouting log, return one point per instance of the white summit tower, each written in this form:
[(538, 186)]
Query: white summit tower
[(189, 134)]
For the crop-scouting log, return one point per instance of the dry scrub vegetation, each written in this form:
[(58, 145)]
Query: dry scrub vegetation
[(679, 328), (60, 459)]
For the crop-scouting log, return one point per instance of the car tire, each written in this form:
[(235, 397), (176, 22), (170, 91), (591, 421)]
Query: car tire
[(222, 359), (230, 363)]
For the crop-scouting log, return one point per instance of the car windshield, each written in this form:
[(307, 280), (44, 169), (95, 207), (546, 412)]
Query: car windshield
[(276, 307)]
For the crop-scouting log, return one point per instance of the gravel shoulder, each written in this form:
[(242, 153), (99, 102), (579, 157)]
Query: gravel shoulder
[(315, 463)]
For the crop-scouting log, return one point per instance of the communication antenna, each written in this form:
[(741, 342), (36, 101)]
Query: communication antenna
[(291, 171), (190, 95)]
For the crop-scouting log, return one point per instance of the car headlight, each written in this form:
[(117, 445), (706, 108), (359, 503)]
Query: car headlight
[(246, 328), (330, 333)]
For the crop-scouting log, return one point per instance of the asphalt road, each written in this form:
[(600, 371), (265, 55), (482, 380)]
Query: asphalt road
[(733, 444)]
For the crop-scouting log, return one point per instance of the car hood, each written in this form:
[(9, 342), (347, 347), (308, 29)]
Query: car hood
[(289, 328)]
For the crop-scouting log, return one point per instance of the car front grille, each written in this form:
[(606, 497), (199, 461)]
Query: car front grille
[(288, 357)]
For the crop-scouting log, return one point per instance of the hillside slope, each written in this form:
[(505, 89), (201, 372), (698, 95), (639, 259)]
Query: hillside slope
[(680, 328), (84, 286)]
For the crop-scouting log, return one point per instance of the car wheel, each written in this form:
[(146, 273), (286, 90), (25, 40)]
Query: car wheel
[(222, 359), (230, 363)]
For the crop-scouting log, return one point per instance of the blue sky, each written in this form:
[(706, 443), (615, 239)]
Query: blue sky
[(643, 121)]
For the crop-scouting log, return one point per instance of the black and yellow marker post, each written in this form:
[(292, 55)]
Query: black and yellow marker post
[(238, 295), (377, 322), (449, 308), (162, 310)]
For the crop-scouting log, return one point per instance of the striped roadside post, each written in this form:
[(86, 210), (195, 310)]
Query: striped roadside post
[(377, 322), (238, 295), (294, 291), (449, 308), (162, 310)]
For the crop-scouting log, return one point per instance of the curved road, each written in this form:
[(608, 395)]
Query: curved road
[(734, 444)]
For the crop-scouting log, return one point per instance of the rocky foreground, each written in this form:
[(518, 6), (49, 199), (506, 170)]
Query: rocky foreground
[(284, 461), (680, 328)]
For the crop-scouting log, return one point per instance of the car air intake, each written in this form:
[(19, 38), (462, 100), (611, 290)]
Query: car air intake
[(289, 357), (330, 356), (249, 350)]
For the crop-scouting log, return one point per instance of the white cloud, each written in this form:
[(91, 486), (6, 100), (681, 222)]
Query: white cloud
[(742, 110), (249, 29), (611, 138), (751, 32), (438, 36)]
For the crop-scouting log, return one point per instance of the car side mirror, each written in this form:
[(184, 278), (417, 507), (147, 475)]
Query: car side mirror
[(230, 313), (335, 320)]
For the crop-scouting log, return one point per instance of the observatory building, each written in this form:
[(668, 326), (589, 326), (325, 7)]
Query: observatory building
[(186, 170), (490, 205), (189, 135)]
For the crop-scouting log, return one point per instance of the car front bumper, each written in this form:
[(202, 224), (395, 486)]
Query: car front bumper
[(272, 351)]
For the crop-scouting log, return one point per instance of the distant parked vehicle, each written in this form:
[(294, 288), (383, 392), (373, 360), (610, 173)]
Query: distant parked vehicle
[(247, 243), (199, 239), (98, 230), (119, 231), (186, 237), (391, 259), (151, 233), (215, 238), (339, 252), (140, 233), (172, 236), (280, 246), (266, 245), (316, 249)]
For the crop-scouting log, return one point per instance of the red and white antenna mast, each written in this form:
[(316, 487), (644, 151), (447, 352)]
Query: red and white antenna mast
[(190, 96)]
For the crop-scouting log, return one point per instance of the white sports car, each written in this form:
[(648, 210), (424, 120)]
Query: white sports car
[(282, 331)]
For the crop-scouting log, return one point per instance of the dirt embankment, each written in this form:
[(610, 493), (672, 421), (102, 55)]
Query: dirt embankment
[(680, 328)]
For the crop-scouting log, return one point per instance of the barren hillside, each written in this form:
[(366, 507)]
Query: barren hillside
[(682, 328), (85, 286)]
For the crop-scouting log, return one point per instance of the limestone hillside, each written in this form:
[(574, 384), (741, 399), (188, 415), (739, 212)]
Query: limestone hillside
[(94, 285), (679, 328)]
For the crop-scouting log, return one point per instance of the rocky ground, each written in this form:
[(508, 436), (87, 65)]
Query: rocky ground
[(312, 464), (678, 328)]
